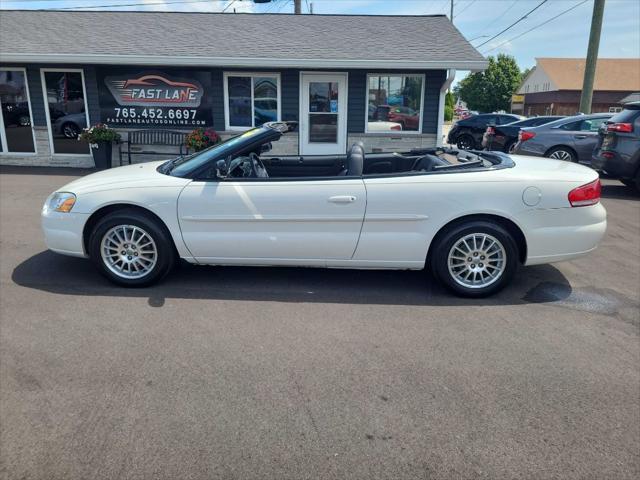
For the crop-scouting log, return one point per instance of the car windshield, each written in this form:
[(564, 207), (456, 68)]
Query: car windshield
[(182, 165)]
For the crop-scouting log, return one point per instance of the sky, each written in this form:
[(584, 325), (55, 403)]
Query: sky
[(478, 20)]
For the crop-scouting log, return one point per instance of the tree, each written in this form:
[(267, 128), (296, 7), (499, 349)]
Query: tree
[(491, 90), (449, 105)]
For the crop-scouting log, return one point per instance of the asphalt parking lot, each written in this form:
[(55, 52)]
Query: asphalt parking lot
[(243, 373)]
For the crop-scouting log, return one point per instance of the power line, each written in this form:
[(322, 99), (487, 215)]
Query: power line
[(515, 23), (131, 4), (465, 8), (495, 20), (537, 26), (228, 6)]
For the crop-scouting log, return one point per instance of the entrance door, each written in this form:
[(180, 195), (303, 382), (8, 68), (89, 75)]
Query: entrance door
[(323, 114)]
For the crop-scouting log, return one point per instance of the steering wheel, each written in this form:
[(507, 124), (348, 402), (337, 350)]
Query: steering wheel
[(257, 167)]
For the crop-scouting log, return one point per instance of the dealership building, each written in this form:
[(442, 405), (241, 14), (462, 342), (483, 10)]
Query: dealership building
[(376, 79)]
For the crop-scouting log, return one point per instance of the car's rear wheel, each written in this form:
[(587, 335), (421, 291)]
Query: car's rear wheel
[(70, 130), (510, 146), (131, 249), (466, 142), (562, 153), (475, 259)]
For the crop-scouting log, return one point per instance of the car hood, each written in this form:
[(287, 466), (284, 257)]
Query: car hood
[(130, 176)]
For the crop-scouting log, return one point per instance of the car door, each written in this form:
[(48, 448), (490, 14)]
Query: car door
[(586, 138), (272, 221)]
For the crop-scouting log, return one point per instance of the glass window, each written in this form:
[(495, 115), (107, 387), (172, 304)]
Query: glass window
[(572, 126), (593, 124), (17, 135), (252, 100), (67, 110), (396, 99)]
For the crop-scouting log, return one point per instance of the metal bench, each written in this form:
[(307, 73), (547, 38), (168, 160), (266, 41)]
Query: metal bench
[(151, 138)]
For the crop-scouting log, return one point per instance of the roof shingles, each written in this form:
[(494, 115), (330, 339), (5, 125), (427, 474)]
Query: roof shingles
[(321, 37)]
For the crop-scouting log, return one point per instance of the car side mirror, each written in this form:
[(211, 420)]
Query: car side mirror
[(222, 169)]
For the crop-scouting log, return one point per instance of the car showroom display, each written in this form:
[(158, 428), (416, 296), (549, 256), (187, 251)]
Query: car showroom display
[(471, 217)]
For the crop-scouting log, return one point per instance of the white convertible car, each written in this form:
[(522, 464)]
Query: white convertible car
[(471, 217)]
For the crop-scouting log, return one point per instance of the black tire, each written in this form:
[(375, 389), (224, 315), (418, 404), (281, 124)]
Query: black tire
[(562, 153), (444, 243), (466, 142), (165, 255), (70, 130), (509, 146)]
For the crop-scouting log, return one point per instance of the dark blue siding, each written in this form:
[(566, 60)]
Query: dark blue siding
[(433, 82), (35, 95), (91, 86), (357, 101), (217, 99), (290, 93)]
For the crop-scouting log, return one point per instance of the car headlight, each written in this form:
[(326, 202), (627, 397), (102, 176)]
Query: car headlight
[(61, 202)]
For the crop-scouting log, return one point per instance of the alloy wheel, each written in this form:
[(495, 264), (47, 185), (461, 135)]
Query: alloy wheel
[(477, 260), (465, 144), (128, 251), (561, 155)]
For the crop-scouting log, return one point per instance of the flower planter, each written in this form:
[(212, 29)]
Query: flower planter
[(101, 152)]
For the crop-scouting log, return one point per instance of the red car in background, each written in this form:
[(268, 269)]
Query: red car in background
[(405, 116)]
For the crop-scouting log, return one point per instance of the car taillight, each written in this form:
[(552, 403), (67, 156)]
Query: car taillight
[(620, 127), (491, 131), (524, 136), (396, 127), (588, 194)]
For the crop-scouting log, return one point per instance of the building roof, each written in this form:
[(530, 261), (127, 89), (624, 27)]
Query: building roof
[(632, 97), (235, 39), (612, 74)]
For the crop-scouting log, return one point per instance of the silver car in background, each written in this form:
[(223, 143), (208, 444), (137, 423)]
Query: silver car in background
[(572, 138)]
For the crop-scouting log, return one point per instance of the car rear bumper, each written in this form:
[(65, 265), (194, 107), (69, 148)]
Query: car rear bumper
[(530, 148), (615, 164), (63, 232), (559, 234)]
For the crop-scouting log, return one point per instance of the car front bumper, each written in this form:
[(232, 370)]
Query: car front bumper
[(63, 232)]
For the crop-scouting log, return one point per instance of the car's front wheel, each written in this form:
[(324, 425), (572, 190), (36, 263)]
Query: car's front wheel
[(475, 259), (466, 142), (131, 249)]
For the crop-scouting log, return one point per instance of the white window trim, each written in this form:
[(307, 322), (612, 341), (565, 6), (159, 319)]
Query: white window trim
[(252, 75), (366, 109), (45, 98), (5, 151)]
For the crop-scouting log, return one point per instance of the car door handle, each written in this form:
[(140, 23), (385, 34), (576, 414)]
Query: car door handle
[(342, 199), (580, 137)]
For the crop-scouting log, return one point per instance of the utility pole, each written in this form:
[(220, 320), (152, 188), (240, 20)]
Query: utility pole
[(451, 16), (297, 6), (592, 57)]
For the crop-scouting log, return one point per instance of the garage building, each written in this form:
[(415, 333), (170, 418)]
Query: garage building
[(376, 79)]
